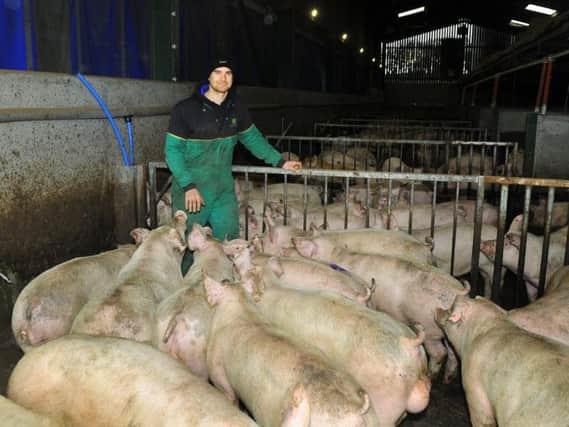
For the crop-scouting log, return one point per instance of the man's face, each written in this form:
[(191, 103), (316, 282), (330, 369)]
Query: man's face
[(221, 79)]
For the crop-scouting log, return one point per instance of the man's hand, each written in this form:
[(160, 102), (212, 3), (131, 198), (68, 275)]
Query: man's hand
[(292, 165), (194, 200)]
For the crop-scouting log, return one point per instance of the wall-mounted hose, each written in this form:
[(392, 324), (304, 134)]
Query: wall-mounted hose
[(128, 120), (110, 117)]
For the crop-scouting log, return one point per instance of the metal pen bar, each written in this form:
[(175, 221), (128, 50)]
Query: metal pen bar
[(325, 202), (433, 209), (305, 202), (411, 205), (346, 201), (474, 270), (524, 238), (499, 255), (546, 236), (247, 207), (454, 225)]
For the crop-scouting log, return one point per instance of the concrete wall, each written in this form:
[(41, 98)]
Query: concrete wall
[(59, 175), (421, 94)]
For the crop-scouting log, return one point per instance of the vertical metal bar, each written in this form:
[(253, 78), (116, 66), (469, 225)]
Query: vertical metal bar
[(346, 201), (367, 202), (389, 190), (495, 159), (411, 205), (265, 196), (433, 209), (454, 224), (547, 87), (477, 237), (498, 258), (546, 235), (540, 86), (325, 203), (523, 242), (174, 39), (305, 202), (285, 198), (247, 208)]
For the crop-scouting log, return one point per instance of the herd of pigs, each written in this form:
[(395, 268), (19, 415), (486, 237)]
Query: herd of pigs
[(326, 327)]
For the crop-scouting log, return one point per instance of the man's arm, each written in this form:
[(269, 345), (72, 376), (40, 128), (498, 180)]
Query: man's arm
[(174, 153), (256, 143)]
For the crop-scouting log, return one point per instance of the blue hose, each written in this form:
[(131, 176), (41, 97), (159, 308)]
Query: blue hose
[(109, 116), (128, 120)]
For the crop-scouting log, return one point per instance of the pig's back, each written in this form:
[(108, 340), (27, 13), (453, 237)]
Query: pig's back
[(103, 381)]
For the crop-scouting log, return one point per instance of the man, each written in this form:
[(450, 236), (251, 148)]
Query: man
[(199, 151)]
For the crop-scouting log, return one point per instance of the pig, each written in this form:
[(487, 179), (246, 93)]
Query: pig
[(209, 255), (489, 212), (375, 241), (408, 291), (559, 214), (384, 356), (96, 381), (47, 306), (399, 218), (153, 273), (549, 315), (378, 241), (183, 322), (478, 166), (300, 390), (421, 194), (510, 377), (305, 274), (532, 264), (183, 319), (335, 215), (442, 250), (15, 415), (395, 164)]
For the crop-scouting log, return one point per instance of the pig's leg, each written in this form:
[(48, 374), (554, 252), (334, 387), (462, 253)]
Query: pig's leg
[(298, 414), (451, 366), (219, 378), (437, 353), (479, 407)]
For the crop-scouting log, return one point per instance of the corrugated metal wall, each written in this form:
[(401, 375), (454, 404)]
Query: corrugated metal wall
[(442, 55)]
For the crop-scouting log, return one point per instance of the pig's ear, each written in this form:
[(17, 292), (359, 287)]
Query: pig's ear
[(214, 290), (176, 240), (139, 234), (276, 267), (207, 230), (306, 247), (461, 211), (180, 218), (298, 411), (197, 239)]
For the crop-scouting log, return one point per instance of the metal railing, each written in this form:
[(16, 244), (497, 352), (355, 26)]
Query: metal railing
[(406, 122), (401, 132), (265, 175), (371, 153)]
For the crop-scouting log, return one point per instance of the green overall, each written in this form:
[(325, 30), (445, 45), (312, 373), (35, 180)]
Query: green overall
[(207, 165)]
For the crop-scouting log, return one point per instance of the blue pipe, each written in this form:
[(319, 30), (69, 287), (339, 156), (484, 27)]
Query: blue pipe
[(128, 120), (109, 116)]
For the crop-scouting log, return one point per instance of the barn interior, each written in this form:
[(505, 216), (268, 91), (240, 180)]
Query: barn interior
[(88, 88)]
